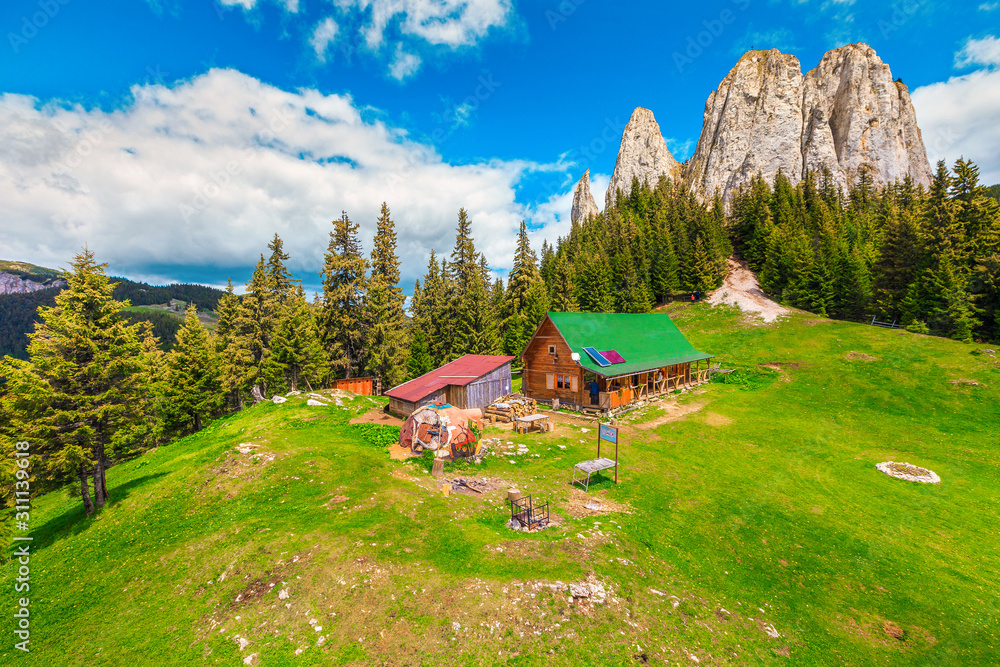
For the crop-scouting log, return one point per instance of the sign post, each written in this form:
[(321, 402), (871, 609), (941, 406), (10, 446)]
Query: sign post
[(610, 434)]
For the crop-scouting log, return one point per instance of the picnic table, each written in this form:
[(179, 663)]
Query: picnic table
[(587, 468), (523, 424)]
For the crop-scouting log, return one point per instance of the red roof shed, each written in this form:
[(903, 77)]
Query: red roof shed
[(472, 381)]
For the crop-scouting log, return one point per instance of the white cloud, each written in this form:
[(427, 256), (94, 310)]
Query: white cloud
[(988, 6), (985, 51), (324, 35), (403, 64), (204, 173), (245, 4), (958, 118), (451, 23)]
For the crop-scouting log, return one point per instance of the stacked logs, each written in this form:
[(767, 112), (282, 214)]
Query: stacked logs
[(508, 408)]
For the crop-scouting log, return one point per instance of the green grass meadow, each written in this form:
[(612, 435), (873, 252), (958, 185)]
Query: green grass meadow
[(752, 529)]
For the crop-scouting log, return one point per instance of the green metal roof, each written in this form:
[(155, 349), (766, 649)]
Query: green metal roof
[(644, 341)]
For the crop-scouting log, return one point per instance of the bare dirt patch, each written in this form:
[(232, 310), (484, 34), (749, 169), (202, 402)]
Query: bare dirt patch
[(715, 419), (860, 356), (672, 411), (377, 416), (582, 504), (742, 290)]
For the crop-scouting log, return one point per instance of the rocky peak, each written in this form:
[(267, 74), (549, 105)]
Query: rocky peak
[(584, 205), (643, 155), (846, 115), (11, 284), (752, 122)]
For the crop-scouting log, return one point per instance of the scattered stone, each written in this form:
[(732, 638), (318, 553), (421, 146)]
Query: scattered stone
[(283, 594), (314, 402), (908, 472), (770, 631), (278, 400), (250, 659), (242, 642)]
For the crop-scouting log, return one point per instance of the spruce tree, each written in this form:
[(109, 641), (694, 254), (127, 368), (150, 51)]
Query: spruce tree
[(562, 290), (235, 359), (193, 386), (257, 315), (297, 346), (526, 298), (385, 320), (281, 279), (344, 289), (73, 399)]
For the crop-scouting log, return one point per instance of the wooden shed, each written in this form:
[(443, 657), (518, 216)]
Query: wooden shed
[(625, 357), (472, 381)]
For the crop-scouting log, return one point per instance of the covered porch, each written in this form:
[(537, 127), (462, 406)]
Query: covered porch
[(617, 391)]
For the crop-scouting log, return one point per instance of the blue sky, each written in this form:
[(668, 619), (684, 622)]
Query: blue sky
[(176, 137)]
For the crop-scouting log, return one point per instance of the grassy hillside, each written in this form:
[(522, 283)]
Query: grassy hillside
[(750, 527), (29, 271)]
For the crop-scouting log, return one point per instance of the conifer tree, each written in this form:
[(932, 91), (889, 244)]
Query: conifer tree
[(594, 287), (257, 315), (235, 359), (526, 299), (150, 404), (344, 289), (193, 388), (384, 318), (73, 398), (281, 279), (474, 324), (297, 347), (562, 290), (430, 312)]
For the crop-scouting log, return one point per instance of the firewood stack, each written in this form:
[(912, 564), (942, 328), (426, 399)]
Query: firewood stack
[(508, 408)]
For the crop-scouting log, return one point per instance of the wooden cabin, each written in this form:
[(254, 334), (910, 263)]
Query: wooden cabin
[(472, 381), (626, 357)]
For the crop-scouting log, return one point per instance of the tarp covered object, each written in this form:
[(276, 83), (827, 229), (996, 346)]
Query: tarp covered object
[(443, 429)]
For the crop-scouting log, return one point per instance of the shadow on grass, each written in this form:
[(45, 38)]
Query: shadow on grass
[(74, 520)]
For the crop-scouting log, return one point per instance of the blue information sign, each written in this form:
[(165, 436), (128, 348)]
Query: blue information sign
[(609, 433)]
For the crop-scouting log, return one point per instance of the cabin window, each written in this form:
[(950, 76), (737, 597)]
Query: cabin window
[(552, 349), (566, 382)]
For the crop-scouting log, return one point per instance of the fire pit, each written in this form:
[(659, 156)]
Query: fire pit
[(526, 517), (909, 472)]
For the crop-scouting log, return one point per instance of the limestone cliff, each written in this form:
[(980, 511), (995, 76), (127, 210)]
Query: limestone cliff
[(584, 205), (846, 115), (643, 154)]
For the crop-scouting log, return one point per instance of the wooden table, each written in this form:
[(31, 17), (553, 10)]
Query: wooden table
[(523, 424), (588, 468)]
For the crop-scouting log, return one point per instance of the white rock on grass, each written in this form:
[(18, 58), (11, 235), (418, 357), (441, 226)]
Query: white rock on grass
[(278, 400), (283, 594), (314, 402)]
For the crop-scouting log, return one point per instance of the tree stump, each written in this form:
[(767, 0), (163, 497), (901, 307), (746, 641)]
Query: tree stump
[(437, 470)]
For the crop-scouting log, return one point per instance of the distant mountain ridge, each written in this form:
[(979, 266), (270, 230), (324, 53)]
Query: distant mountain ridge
[(19, 307)]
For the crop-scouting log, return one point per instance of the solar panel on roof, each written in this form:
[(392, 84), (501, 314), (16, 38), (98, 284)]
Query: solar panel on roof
[(597, 357), (613, 357)]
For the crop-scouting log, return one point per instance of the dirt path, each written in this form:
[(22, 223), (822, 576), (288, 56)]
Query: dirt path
[(742, 290), (671, 412)]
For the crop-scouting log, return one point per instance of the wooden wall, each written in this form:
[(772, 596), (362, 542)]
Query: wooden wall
[(539, 363), (488, 388)]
